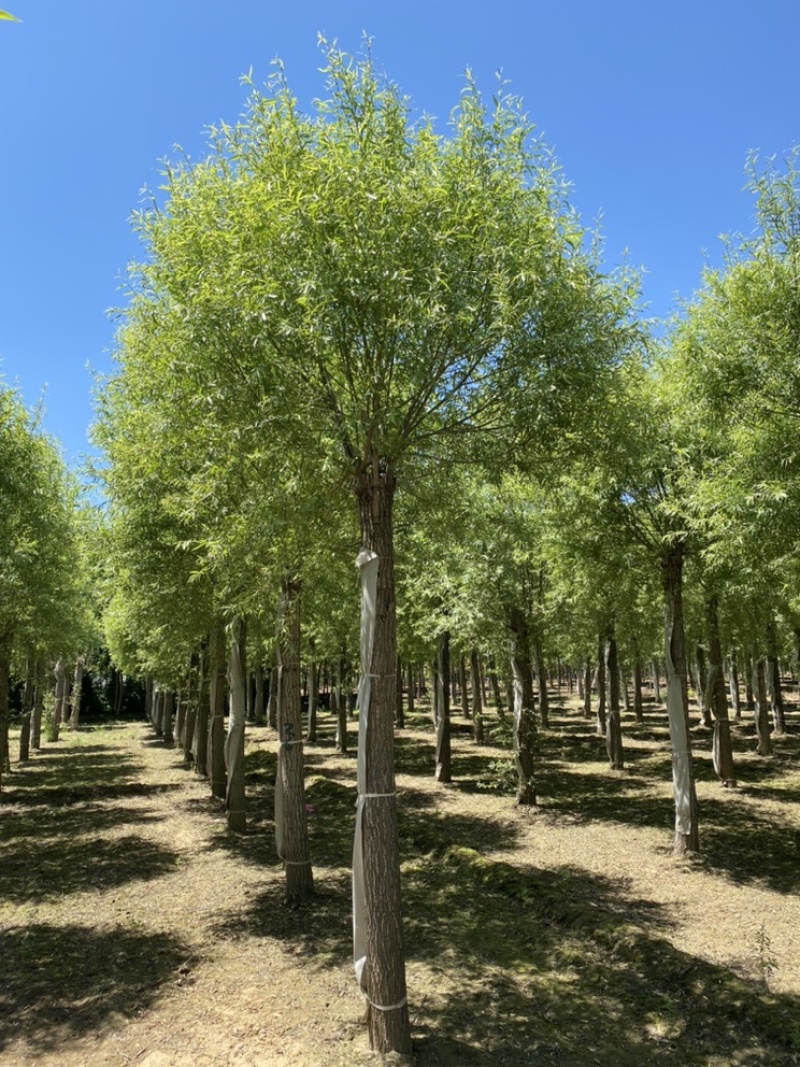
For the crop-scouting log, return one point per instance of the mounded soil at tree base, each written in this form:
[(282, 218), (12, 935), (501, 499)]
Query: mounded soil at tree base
[(135, 930)]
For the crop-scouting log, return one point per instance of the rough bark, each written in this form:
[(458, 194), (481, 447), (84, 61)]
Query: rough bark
[(216, 729), (382, 976), (443, 747), (234, 739), (291, 824), (716, 699), (272, 699), (411, 688), (399, 711), (524, 721), (613, 725), (477, 697), (192, 709), (687, 837), (462, 686)]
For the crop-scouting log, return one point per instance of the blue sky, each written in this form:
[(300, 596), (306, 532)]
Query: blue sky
[(651, 109)]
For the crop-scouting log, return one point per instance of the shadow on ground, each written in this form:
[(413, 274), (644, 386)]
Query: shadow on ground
[(66, 982)]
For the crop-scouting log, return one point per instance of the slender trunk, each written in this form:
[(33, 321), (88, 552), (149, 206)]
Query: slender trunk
[(774, 682), (587, 689), (148, 698), (158, 703), (192, 709), (77, 693), (313, 691), (259, 704), (749, 675), (759, 685), (341, 705), (5, 673), (443, 749), (234, 739), (399, 711), (168, 708), (27, 710), (733, 686), (462, 685), (656, 682), (272, 699), (494, 682), (613, 726), (541, 683), (716, 699), (291, 826), (377, 920), (600, 709), (181, 697), (701, 687), (436, 692), (411, 687), (61, 696), (200, 741), (216, 728), (638, 705), (38, 706), (524, 722), (687, 838), (477, 698)]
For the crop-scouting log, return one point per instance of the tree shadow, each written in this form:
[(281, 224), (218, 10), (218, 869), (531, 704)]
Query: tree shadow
[(74, 865), (66, 982), (563, 966)]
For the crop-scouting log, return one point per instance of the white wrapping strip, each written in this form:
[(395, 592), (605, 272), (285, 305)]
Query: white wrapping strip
[(367, 563)]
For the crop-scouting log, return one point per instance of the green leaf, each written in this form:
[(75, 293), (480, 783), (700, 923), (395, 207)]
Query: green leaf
[(5, 16)]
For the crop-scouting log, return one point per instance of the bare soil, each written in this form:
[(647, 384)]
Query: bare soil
[(135, 930)]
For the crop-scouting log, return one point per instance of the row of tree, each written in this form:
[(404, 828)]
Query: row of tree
[(357, 340)]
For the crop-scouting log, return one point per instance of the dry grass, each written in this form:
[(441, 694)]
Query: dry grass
[(135, 930)]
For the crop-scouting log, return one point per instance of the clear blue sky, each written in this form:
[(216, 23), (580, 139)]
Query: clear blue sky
[(651, 109)]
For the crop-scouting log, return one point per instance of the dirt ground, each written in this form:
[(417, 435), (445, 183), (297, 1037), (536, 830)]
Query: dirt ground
[(135, 930)]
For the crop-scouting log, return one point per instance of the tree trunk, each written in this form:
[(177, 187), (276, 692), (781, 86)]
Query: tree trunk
[(60, 699), (638, 705), (234, 739), (462, 685), (774, 682), (192, 709), (377, 919), (716, 699), (341, 705), (701, 688), (399, 711), (411, 687), (5, 673), (749, 675), (477, 697), (524, 722), (541, 683), (291, 823), (494, 682), (600, 708), (272, 699), (313, 692), (201, 724), (656, 683), (733, 685), (587, 688), (216, 729), (613, 725), (38, 706), (27, 711), (443, 748), (687, 838), (77, 693), (167, 709), (259, 705), (759, 686)]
